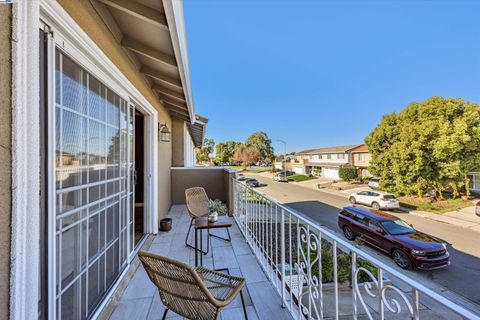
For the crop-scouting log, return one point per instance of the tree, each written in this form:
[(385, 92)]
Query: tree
[(430, 145), (263, 144), (348, 173), (225, 151), (246, 154), (203, 153)]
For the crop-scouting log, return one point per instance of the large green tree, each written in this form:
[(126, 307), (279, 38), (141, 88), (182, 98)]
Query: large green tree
[(430, 145), (262, 142), (225, 151), (203, 153)]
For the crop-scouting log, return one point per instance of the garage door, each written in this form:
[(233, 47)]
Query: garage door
[(298, 170), (330, 173)]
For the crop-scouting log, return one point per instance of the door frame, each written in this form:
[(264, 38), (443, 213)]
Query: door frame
[(65, 33)]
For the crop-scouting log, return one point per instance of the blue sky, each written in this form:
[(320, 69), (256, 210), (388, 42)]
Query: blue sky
[(316, 73)]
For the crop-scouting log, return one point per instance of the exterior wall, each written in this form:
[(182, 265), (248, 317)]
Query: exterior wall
[(5, 157), (87, 18), (322, 158), (178, 143), (216, 182), (366, 159), (188, 148)]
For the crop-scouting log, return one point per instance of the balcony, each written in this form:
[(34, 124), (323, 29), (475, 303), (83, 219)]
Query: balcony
[(294, 268)]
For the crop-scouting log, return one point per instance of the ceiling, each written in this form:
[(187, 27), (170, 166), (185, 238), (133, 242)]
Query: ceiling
[(152, 34)]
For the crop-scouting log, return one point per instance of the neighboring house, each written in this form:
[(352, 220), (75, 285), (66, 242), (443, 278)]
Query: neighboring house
[(97, 110), (324, 162), (361, 160), (474, 181)]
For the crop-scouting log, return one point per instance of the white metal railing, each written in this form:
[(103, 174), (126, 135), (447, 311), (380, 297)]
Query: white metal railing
[(319, 274)]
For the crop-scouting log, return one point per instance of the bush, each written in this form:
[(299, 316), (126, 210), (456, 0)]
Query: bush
[(344, 265), (348, 173)]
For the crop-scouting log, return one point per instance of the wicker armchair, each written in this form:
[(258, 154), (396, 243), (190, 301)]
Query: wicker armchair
[(194, 293), (197, 205)]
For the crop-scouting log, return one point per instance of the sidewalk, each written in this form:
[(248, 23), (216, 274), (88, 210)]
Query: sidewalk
[(463, 218)]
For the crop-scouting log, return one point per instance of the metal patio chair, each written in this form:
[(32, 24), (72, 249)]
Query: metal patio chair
[(194, 293), (197, 205)]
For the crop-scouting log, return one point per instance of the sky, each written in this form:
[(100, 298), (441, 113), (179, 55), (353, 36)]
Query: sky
[(321, 73)]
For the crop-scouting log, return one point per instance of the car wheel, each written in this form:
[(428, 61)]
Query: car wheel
[(375, 206), (401, 259), (352, 200), (348, 233)]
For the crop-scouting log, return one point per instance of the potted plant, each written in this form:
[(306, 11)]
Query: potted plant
[(216, 207)]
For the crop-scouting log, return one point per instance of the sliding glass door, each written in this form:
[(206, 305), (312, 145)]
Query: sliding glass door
[(94, 188)]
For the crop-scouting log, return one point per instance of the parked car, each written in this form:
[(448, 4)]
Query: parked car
[(376, 199), (252, 183), (477, 208), (241, 177), (408, 247), (374, 183), (281, 177)]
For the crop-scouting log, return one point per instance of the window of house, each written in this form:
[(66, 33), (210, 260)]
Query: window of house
[(361, 157), (329, 156), (92, 217), (341, 156)]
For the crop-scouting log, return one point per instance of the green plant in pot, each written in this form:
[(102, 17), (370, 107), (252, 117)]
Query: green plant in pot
[(216, 208)]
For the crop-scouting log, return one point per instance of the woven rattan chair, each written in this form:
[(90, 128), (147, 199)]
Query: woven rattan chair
[(194, 293), (197, 205)]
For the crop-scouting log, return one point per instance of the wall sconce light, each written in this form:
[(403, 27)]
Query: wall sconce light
[(163, 132)]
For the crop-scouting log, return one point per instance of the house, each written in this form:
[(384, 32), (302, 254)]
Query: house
[(325, 162), (98, 131), (474, 181), (361, 160), (98, 124)]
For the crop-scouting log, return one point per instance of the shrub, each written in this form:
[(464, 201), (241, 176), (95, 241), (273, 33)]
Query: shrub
[(348, 173), (344, 265)]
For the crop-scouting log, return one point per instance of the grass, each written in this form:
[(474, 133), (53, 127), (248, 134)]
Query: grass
[(300, 178), (439, 206)]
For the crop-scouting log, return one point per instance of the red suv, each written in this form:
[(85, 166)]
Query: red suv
[(408, 247)]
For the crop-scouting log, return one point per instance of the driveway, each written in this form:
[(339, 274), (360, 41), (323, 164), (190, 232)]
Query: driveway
[(462, 277)]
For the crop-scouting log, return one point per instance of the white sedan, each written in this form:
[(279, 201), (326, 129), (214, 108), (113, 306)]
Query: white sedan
[(376, 199), (281, 177)]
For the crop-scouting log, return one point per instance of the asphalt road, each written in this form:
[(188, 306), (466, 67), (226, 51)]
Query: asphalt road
[(462, 277)]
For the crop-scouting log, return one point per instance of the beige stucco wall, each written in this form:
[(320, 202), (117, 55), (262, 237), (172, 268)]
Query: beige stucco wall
[(178, 143), (216, 182), (366, 160), (88, 19), (5, 156)]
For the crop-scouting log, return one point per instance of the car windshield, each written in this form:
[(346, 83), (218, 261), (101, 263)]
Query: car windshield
[(397, 227)]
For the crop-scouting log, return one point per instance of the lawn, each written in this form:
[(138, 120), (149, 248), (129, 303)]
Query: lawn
[(439, 206), (300, 178)]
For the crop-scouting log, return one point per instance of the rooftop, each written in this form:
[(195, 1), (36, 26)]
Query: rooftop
[(333, 149)]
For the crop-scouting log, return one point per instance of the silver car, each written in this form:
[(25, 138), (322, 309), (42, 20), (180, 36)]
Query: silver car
[(477, 209), (374, 183), (280, 177)]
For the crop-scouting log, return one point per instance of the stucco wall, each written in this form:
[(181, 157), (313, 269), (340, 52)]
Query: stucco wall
[(178, 143), (87, 18), (217, 182), (365, 162), (5, 157)]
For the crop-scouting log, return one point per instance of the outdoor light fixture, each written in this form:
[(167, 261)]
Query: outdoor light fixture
[(164, 132)]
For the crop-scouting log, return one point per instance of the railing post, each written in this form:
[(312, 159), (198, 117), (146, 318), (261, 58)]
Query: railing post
[(381, 309), (354, 270), (282, 255)]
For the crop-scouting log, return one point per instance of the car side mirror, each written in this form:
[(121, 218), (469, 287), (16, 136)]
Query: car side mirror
[(411, 225)]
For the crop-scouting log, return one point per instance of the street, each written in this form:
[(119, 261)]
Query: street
[(462, 277)]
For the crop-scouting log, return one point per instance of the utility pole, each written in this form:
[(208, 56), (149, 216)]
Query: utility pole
[(284, 157)]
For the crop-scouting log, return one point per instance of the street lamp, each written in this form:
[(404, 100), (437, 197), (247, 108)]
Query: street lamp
[(284, 157)]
